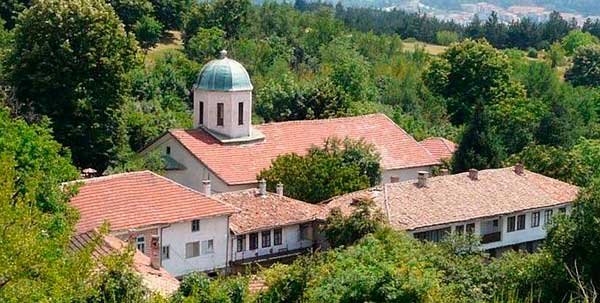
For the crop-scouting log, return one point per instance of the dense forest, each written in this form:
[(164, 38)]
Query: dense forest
[(87, 83)]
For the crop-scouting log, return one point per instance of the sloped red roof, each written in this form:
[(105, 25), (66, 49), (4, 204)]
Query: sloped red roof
[(157, 280), (456, 198), (138, 199), (440, 148), (240, 163), (269, 211)]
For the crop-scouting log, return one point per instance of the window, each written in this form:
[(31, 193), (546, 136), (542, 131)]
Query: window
[(459, 229), (253, 241), (241, 243), (305, 232), (195, 225), (165, 252), (433, 235), (220, 114), (241, 113), (547, 216), (168, 150), (562, 210), (201, 113), (208, 247), (520, 222), (140, 243), (510, 224), (277, 236), (470, 228), (535, 219), (266, 238), (192, 249)]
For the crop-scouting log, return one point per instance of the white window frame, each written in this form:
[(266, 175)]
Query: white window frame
[(140, 243), (192, 249), (208, 247), (195, 225)]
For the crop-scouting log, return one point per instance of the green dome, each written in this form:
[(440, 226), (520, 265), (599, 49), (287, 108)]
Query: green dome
[(223, 74)]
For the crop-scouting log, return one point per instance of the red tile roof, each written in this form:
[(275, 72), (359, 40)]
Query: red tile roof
[(440, 148), (239, 164), (157, 280), (456, 198), (138, 199), (269, 211)]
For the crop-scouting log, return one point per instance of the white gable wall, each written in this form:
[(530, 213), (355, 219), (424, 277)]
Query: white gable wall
[(177, 235)]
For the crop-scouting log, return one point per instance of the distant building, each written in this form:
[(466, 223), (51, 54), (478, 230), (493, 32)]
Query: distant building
[(507, 207), (148, 210), (227, 149), (270, 226)]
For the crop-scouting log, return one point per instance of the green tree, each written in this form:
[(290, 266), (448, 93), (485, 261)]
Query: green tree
[(132, 11), (205, 44), (340, 166), (556, 55), (346, 230), (70, 62), (231, 15), (171, 13), (197, 287), (147, 31), (10, 9), (574, 240), (35, 219), (586, 67), (576, 39), (480, 147), (470, 71)]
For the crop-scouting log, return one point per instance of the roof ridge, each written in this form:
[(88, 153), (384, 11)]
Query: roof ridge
[(108, 177), (313, 121)]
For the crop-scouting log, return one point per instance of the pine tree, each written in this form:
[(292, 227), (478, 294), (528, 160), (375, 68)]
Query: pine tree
[(480, 147)]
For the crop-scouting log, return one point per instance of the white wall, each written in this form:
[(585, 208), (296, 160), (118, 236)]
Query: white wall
[(177, 235), (404, 174), (230, 102), (507, 238), (290, 241)]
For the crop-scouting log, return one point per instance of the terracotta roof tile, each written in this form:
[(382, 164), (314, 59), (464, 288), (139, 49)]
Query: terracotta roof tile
[(157, 280), (440, 148), (239, 164), (457, 198), (133, 200), (263, 212)]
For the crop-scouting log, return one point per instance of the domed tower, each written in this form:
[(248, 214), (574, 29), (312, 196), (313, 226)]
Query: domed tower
[(223, 100)]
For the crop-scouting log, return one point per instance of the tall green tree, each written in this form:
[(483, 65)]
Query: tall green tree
[(205, 44), (147, 31), (10, 9), (586, 67), (70, 62), (346, 230), (340, 166), (576, 39), (480, 147), (35, 219), (131, 11), (468, 72)]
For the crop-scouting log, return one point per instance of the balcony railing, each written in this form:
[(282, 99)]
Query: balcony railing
[(491, 237)]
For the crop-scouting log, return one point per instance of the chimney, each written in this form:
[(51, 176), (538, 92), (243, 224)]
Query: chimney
[(206, 187), (154, 252), (473, 174), (262, 187), (444, 172), (394, 179), (89, 173), (280, 189), (422, 180), (519, 168)]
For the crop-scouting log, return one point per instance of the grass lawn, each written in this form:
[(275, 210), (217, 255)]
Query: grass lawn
[(170, 41), (429, 48)]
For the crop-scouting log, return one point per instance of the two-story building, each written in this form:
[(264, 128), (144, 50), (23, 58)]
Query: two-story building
[(227, 149), (143, 208), (508, 208), (270, 226)]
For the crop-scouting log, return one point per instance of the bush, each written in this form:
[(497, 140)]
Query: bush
[(446, 37), (148, 31), (532, 53)]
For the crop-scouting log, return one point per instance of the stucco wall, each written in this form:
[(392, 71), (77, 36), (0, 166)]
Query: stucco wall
[(290, 241), (507, 238), (177, 235), (404, 174), (230, 101)]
